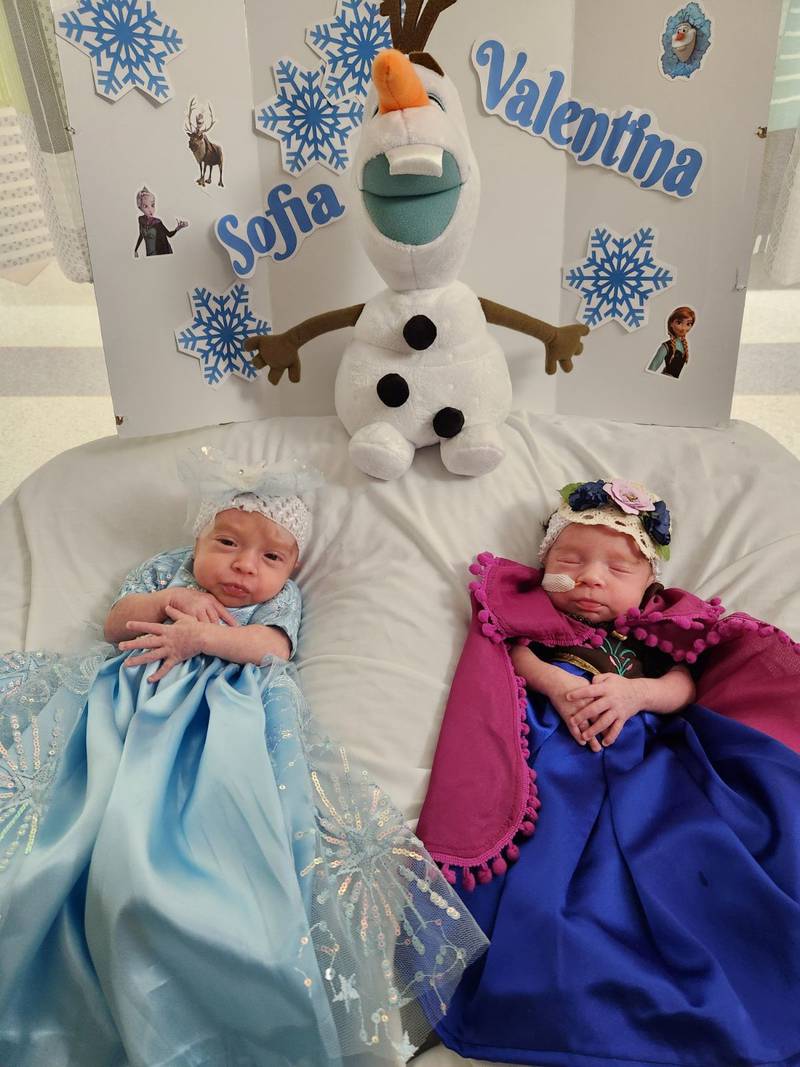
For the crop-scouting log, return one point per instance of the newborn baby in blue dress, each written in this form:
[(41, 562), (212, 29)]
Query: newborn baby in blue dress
[(190, 873)]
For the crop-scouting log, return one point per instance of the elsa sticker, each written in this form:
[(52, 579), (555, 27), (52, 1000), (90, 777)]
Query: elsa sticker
[(685, 41)]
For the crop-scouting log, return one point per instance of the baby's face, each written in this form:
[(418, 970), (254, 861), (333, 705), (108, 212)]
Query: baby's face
[(244, 558), (609, 571)]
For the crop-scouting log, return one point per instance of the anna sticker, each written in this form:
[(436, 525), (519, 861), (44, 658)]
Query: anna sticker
[(673, 355)]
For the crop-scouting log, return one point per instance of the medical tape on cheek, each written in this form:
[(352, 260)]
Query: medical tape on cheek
[(557, 583)]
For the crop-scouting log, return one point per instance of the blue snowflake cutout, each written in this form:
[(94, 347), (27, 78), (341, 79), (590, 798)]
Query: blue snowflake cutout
[(349, 44), (127, 43), (618, 277), (311, 127), (218, 330)]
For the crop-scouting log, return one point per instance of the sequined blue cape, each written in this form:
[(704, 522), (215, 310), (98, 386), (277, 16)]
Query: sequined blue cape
[(191, 874)]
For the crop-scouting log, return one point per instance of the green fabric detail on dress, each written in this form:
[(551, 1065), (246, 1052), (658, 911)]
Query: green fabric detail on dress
[(622, 658)]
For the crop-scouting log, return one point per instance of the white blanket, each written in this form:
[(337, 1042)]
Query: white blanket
[(384, 580)]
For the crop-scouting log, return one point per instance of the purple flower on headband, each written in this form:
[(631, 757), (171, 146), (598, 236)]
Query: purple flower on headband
[(657, 523), (588, 495), (629, 497)]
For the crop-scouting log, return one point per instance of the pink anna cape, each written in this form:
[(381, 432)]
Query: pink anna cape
[(482, 793)]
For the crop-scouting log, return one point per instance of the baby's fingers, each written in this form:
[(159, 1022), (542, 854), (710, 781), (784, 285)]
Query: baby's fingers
[(146, 627), (176, 614), (165, 668), (572, 726), (148, 641), (581, 692), (145, 657), (600, 724), (613, 732)]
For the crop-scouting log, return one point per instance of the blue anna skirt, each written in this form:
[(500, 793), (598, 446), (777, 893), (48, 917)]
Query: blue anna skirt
[(654, 917)]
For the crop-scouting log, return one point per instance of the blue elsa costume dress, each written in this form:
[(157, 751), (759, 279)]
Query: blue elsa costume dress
[(653, 918), (191, 875)]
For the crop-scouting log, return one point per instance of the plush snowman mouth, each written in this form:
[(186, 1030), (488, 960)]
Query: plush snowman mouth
[(411, 208)]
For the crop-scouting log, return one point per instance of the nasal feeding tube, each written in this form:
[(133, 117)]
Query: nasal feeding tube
[(557, 583)]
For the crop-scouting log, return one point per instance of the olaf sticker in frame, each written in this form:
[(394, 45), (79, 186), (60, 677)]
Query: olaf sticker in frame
[(685, 42)]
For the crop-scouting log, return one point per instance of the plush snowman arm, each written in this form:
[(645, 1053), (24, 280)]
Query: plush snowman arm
[(561, 342), (281, 351)]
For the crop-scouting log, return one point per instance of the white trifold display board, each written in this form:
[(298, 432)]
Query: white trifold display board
[(616, 190)]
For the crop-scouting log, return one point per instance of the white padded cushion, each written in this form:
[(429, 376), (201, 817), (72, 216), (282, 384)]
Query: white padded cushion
[(385, 574)]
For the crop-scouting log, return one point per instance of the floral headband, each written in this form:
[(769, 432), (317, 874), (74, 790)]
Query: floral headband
[(624, 506)]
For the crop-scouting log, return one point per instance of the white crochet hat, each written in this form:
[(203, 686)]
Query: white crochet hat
[(627, 507), (217, 482)]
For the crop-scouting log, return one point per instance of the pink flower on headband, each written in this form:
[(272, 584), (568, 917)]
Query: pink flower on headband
[(631, 498)]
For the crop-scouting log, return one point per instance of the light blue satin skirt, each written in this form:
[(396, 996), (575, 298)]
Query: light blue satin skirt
[(180, 883)]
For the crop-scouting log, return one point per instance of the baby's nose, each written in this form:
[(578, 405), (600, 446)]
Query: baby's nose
[(592, 574)]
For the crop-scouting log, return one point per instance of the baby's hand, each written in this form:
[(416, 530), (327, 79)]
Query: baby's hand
[(604, 706), (560, 695), (200, 605), (171, 643)]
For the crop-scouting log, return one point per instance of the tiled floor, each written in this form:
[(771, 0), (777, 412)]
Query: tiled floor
[(54, 389)]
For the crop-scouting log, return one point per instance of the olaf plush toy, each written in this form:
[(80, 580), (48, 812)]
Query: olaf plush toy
[(422, 367)]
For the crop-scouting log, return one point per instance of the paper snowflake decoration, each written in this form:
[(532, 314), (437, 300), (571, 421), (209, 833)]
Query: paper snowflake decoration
[(349, 44), (127, 43), (217, 333), (311, 127), (618, 277)]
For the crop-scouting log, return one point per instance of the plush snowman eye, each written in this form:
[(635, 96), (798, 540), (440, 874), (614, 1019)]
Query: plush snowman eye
[(435, 99)]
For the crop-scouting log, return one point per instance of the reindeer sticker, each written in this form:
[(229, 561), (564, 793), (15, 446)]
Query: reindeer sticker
[(207, 154)]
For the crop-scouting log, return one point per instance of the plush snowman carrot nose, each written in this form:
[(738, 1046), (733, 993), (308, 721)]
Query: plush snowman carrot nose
[(397, 83)]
